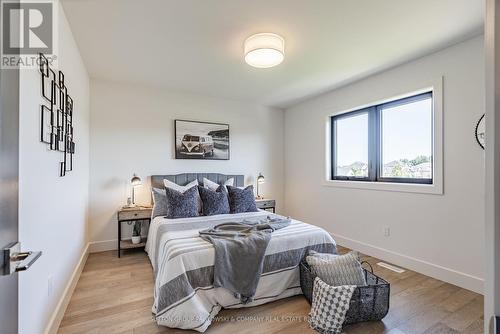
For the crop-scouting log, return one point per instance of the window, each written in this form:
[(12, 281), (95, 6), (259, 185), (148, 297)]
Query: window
[(352, 145), (390, 142)]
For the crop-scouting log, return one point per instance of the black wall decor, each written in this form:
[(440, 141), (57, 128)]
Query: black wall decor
[(480, 131), (56, 128)]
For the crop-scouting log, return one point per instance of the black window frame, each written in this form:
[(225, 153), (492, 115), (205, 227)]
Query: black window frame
[(375, 142)]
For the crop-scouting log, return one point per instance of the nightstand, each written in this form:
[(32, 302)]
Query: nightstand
[(266, 204), (133, 214)]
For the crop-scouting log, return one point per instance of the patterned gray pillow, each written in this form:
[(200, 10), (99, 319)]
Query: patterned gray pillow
[(329, 306), (241, 200), (214, 202), (337, 269), (182, 205), (159, 202), (175, 186)]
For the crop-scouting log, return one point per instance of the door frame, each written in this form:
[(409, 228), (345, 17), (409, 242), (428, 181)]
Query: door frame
[(492, 166)]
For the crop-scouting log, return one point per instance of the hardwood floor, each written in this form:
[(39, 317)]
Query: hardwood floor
[(115, 296)]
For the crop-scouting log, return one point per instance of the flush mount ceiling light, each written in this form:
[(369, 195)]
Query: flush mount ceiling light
[(264, 50)]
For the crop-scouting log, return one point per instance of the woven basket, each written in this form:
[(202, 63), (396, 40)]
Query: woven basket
[(368, 303)]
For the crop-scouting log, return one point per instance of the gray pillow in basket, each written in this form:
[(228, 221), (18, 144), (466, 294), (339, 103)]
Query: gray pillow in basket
[(337, 269), (329, 306)]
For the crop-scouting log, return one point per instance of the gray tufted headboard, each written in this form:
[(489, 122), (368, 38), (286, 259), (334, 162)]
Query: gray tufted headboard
[(185, 178)]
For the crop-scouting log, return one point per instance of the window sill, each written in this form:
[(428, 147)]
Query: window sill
[(435, 189)]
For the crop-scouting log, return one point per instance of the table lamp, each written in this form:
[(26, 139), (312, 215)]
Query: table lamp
[(260, 180), (135, 181)]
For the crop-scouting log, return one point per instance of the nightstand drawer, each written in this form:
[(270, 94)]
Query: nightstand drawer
[(264, 204), (134, 214)]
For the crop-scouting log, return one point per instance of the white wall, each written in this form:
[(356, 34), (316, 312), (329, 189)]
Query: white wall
[(440, 235), (53, 210), (132, 131)]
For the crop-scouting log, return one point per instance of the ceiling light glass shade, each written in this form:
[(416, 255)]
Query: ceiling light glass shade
[(264, 50)]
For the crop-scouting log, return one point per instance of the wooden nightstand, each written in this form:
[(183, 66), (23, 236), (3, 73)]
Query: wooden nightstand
[(132, 215), (266, 204)]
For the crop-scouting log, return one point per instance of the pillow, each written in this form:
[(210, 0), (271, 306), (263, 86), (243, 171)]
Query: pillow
[(182, 204), (329, 306), (214, 186), (241, 200), (322, 256), (337, 269), (214, 202), (175, 186), (159, 202)]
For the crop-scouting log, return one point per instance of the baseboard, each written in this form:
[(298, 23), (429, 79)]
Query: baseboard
[(448, 275), (103, 246), (58, 314), (106, 245)]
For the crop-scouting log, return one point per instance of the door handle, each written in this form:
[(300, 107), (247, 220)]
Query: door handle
[(29, 259), (15, 260)]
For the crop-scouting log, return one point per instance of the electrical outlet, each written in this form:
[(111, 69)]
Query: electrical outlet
[(387, 231), (50, 285)]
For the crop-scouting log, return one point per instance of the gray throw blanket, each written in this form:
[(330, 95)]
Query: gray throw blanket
[(239, 253)]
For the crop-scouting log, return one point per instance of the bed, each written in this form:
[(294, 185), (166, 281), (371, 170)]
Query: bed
[(184, 295)]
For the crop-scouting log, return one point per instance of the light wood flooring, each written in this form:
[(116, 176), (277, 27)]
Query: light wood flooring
[(115, 296)]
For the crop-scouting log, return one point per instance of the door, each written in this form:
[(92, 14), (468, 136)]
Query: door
[(9, 159), (12, 259)]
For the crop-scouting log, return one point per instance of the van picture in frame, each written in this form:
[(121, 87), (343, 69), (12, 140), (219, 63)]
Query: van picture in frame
[(201, 140)]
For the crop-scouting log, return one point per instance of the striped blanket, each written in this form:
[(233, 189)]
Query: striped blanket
[(184, 295)]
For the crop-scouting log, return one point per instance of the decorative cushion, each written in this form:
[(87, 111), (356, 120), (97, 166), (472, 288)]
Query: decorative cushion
[(182, 204), (337, 269), (214, 202), (241, 200), (329, 306), (175, 186), (214, 186), (322, 256), (159, 203)]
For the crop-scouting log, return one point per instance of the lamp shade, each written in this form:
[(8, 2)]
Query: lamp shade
[(260, 178), (264, 50), (136, 181)]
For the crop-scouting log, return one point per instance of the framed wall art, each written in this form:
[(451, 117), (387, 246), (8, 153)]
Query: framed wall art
[(201, 140)]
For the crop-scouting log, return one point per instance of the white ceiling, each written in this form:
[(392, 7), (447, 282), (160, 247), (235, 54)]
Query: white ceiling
[(197, 45)]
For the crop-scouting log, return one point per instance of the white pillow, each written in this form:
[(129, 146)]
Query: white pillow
[(329, 306), (336, 270), (175, 186), (214, 186)]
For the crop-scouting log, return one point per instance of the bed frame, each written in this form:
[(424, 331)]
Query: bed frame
[(185, 178)]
